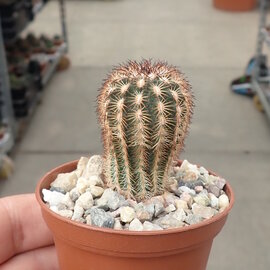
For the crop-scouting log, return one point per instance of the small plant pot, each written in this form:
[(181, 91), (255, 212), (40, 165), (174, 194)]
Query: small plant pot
[(85, 247), (235, 5)]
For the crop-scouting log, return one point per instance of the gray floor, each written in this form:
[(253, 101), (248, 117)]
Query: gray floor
[(227, 135)]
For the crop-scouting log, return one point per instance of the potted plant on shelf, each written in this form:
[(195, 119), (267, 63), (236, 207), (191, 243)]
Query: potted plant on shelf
[(138, 206)]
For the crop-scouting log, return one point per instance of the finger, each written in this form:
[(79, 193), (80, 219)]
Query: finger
[(41, 259), (21, 226)]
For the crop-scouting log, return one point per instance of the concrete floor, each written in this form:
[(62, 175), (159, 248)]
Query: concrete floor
[(227, 135)]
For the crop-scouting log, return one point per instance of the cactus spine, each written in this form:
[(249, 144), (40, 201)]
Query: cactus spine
[(144, 111)]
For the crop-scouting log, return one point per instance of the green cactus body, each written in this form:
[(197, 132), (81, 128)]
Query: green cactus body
[(144, 110)]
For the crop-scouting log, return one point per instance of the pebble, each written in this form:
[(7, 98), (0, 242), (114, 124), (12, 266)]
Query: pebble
[(135, 225), (213, 200), (181, 204), (193, 219), (85, 200), (94, 166), (82, 185), (65, 181), (158, 205), (198, 189), (65, 213), (111, 199), (202, 211), (78, 212), (82, 163), (212, 188), (101, 218), (95, 180), (148, 226), (187, 190), (179, 215), (192, 195), (96, 191), (67, 201), (170, 208), (127, 214), (52, 197), (220, 182), (187, 198), (88, 220), (117, 225), (202, 199), (168, 221), (223, 201), (74, 194)]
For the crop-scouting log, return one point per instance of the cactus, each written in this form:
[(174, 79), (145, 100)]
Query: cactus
[(144, 110)]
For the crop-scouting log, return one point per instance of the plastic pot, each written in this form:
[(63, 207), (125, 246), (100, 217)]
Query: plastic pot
[(235, 5), (85, 247)]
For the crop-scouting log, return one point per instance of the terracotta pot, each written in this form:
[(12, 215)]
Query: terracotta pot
[(84, 247), (235, 5)]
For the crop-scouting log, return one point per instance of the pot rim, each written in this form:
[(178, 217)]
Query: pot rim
[(203, 223)]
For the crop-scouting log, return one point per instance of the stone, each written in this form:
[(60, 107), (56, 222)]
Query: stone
[(131, 203), (193, 219), (54, 208), (52, 197), (202, 199), (214, 189), (148, 226), (187, 190), (78, 212), (187, 198), (94, 166), (82, 163), (223, 201), (169, 198), (96, 191), (198, 189), (181, 204), (95, 180), (65, 213), (67, 201), (85, 200), (173, 186), (135, 225), (179, 215), (82, 185), (170, 208), (116, 213), (203, 211), (220, 183), (188, 172), (88, 220), (213, 200), (117, 225), (57, 189), (159, 207), (127, 214), (168, 221), (74, 194), (101, 218), (111, 199), (203, 171), (65, 181), (190, 184)]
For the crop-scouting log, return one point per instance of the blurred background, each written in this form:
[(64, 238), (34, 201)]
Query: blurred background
[(54, 56)]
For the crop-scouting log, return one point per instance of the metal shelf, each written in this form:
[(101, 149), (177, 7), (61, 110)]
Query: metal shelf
[(7, 114), (261, 85), (53, 62)]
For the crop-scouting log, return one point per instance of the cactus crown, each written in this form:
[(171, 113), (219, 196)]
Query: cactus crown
[(144, 110)]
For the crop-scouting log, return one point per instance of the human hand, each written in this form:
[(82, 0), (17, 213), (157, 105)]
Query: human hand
[(25, 240)]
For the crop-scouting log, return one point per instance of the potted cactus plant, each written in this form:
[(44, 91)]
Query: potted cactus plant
[(144, 110)]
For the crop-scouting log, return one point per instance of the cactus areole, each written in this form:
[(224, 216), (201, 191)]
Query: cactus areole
[(144, 110)]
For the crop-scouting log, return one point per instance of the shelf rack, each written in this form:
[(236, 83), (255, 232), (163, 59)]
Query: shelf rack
[(260, 85), (7, 142)]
